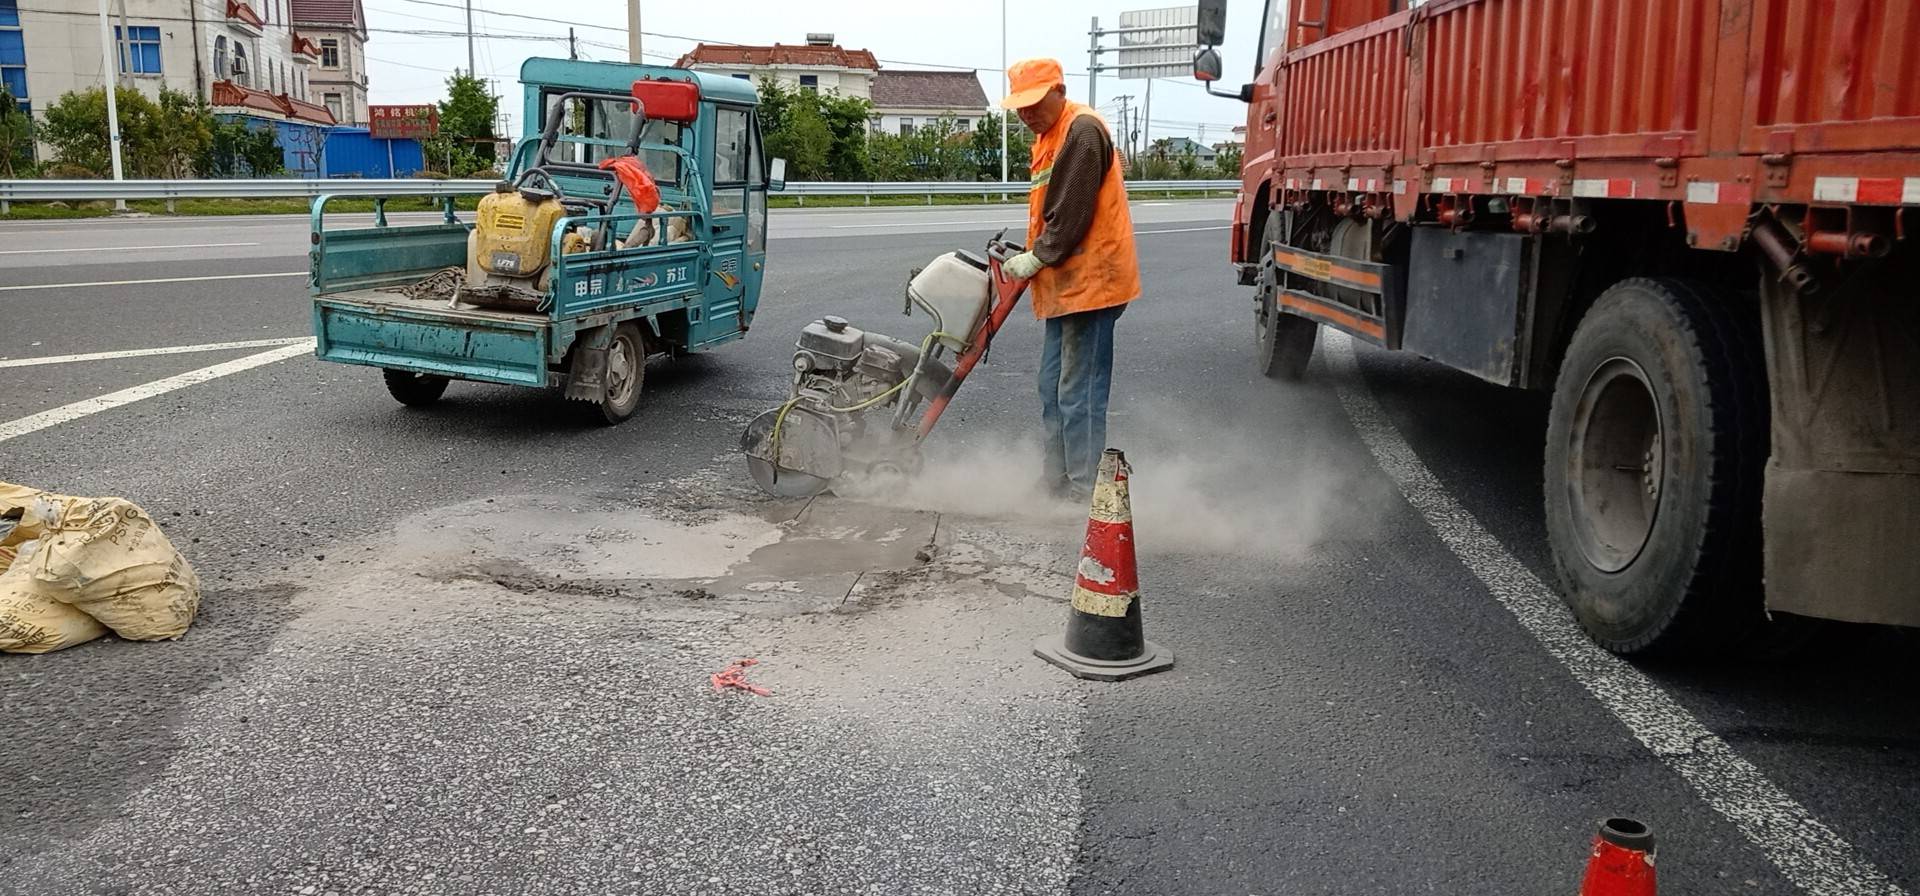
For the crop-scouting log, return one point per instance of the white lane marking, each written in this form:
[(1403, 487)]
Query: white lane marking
[(122, 248), (145, 352), (156, 280), (891, 225), (1805, 850), (14, 429), (1186, 230)]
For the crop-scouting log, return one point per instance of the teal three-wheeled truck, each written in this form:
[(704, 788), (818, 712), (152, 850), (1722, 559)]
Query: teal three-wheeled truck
[(632, 222)]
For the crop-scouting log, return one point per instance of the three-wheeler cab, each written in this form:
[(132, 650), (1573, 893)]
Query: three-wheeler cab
[(632, 223)]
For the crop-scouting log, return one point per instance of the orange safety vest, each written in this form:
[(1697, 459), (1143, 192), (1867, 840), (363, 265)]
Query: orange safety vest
[(1103, 270)]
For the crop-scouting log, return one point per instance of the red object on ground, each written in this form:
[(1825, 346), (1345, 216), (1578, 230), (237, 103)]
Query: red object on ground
[(735, 676), (633, 175), (1622, 860)]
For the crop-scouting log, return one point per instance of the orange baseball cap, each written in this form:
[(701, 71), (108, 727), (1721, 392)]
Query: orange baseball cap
[(1030, 80)]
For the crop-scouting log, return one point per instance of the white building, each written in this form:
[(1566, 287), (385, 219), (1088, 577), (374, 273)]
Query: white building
[(906, 100), (338, 81), (820, 65), (241, 57)]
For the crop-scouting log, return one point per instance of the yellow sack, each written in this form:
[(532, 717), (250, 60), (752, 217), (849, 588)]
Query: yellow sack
[(108, 558), (31, 620)]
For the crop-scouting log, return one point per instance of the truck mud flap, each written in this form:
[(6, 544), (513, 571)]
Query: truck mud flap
[(489, 351), (1467, 301)]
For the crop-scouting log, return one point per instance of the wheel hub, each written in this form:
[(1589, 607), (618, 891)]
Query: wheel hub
[(1618, 465)]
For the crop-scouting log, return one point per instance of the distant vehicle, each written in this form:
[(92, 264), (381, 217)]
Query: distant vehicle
[(560, 279), (1693, 221)]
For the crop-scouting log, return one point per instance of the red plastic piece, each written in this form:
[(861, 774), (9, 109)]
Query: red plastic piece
[(735, 676), (633, 175), (669, 100)]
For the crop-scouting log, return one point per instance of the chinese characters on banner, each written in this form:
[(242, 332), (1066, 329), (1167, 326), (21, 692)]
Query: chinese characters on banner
[(402, 122)]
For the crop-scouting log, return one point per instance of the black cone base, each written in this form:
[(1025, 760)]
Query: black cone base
[(1153, 659)]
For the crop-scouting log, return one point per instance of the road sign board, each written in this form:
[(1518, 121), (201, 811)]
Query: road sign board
[(402, 122), (1158, 43)]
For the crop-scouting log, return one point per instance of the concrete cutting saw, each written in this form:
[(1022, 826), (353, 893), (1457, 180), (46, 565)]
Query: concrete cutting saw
[(863, 402)]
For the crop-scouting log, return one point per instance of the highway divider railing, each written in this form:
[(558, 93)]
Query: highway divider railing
[(12, 191)]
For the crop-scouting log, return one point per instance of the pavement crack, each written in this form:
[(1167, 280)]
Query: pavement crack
[(856, 583)]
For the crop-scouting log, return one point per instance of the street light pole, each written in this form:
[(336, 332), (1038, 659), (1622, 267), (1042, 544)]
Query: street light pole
[(112, 85), (1006, 87)]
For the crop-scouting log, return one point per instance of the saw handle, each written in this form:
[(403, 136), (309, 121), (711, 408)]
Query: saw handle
[(1006, 292)]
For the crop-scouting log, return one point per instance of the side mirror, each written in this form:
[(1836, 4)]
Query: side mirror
[(1206, 66), (1212, 21), (777, 175)]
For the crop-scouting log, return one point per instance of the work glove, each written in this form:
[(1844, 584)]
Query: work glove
[(1023, 266)]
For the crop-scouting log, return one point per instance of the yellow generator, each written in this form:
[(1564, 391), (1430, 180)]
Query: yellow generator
[(510, 251)]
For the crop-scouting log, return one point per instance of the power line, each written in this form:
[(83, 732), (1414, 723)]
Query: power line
[(699, 40)]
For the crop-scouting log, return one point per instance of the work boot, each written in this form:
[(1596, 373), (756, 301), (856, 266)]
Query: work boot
[(1064, 491)]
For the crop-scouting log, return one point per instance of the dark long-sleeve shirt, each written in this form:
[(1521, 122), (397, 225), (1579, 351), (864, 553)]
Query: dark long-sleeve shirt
[(1073, 190)]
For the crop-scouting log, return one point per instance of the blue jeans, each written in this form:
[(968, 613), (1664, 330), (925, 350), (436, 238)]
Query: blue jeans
[(1076, 373)]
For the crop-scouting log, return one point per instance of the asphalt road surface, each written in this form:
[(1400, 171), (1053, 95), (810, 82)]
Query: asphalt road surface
[(467, 649)]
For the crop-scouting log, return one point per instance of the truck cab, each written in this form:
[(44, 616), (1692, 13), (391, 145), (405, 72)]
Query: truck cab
[(631, 223)]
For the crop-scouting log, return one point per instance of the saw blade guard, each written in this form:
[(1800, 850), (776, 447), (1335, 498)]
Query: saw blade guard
[(792, 452)]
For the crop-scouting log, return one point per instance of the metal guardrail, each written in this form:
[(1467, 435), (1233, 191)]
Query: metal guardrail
[(279, 188)]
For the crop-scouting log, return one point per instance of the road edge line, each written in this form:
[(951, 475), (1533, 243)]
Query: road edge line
[(1807, 852)]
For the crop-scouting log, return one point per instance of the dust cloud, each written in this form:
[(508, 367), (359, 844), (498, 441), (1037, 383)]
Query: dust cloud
[(1196, 487)]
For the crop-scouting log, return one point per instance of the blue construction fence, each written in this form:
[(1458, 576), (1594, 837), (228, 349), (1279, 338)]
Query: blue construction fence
[(318, 151)]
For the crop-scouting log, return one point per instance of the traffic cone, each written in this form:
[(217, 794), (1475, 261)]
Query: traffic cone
[(1622, 860), (1105, 640)]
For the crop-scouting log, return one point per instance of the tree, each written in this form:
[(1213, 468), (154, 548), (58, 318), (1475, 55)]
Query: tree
[(236, 150), (165, 139), (16, 138), (1227, 166), (986, 149), (465, 141), (822, 136)]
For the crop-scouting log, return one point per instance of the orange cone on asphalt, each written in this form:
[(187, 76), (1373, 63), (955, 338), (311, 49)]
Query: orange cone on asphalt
[(1622, 860), (1105, 640)]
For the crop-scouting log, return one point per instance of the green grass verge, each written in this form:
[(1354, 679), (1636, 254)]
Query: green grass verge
[(49, 211)]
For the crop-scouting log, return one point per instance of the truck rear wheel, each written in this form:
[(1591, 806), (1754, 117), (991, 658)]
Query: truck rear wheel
[(1656, 444), (626, 373), (1285, 341), (415, 390)]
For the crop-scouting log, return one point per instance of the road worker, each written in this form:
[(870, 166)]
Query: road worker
[(1082, 265)]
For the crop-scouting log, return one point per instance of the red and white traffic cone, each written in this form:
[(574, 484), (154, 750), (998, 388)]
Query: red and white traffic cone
[(1105, 639), (1622, 860)]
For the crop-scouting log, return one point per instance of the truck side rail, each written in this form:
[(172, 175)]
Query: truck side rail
[(656, 277), (383, 254)]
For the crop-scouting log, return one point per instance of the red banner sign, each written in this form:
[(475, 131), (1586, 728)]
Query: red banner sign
[(402, 122)]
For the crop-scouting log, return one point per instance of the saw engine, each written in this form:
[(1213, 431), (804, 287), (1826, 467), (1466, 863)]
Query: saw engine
[(852, 413)]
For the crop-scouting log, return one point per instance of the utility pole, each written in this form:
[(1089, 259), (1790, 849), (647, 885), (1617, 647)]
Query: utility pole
[(1125, 139), (471, 71), (633, 31), (125, 50), (112, 86), (1146, 118), (1006, 87), (573, 50)]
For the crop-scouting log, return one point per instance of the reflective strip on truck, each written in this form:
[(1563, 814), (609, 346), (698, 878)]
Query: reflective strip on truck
[(1872, 190)]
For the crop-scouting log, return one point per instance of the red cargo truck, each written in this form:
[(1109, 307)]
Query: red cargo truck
[(1694, 222)]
